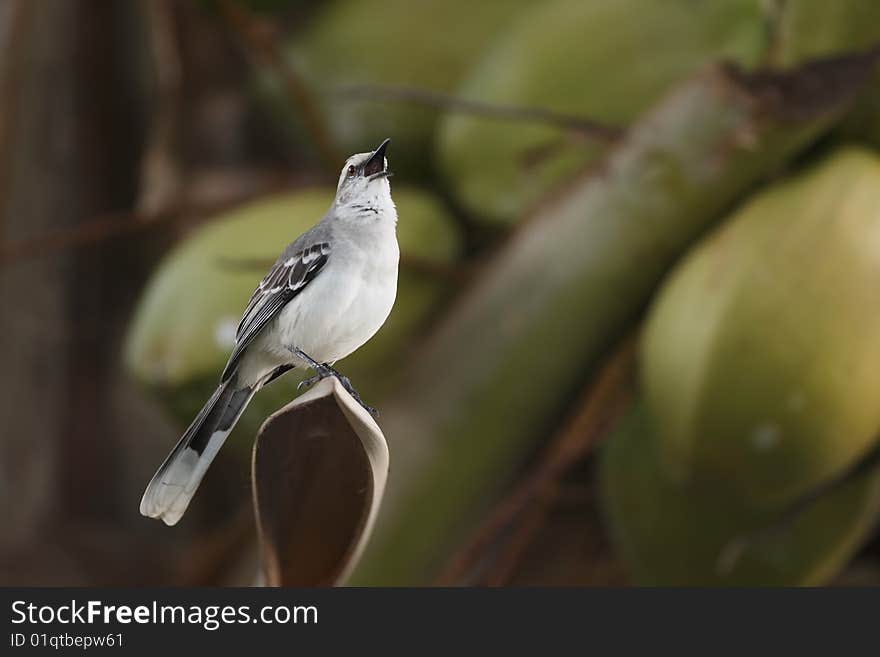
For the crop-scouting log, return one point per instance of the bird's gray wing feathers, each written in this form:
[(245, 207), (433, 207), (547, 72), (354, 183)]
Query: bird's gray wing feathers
[(288, 277)]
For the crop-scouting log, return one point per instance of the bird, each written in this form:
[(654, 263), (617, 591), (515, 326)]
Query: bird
[(327, 294)]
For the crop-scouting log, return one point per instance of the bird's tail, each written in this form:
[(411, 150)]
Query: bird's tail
[(175, 482)]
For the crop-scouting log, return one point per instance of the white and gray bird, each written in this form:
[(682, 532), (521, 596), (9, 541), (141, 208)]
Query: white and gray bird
[(328, 293)]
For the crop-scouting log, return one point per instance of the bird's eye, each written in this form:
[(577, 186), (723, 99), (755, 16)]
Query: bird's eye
[(351, 171)]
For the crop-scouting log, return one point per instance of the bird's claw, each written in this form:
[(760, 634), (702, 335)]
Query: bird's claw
[(369, 409), (307, 383), (322, 372), (346, 383)]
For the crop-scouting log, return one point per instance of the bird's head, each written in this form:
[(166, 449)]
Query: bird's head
[(363, 182)]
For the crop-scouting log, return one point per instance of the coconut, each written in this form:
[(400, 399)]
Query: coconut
[(700, 534), (761, 352)]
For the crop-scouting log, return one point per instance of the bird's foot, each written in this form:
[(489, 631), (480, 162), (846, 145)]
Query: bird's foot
[(320, 374), (351, 391), (322, 371)]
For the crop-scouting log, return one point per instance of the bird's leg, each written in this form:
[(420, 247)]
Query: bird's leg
[(322, 371)]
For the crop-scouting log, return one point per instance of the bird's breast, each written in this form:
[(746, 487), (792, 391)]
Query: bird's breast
[(343, 307)]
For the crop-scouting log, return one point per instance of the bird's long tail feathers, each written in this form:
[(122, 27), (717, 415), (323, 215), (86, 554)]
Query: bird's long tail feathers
[(175, 482)]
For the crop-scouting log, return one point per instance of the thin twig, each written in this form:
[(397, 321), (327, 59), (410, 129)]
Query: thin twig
[(97, 229), (426, 97), (107, 226), (523, 512), (261, 46), (100, 228)]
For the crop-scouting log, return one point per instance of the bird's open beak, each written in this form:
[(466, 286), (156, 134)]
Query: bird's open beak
[(376, 164)]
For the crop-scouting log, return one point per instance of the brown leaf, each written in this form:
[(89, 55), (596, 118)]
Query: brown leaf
[(319, 471)]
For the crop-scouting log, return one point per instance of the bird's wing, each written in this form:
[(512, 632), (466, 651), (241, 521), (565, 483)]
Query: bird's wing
[(288, 277)]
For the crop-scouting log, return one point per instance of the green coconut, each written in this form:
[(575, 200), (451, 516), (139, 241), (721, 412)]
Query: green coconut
[(184, 325), (428, 45), (671, 534), (761, 351), (607, 61)]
